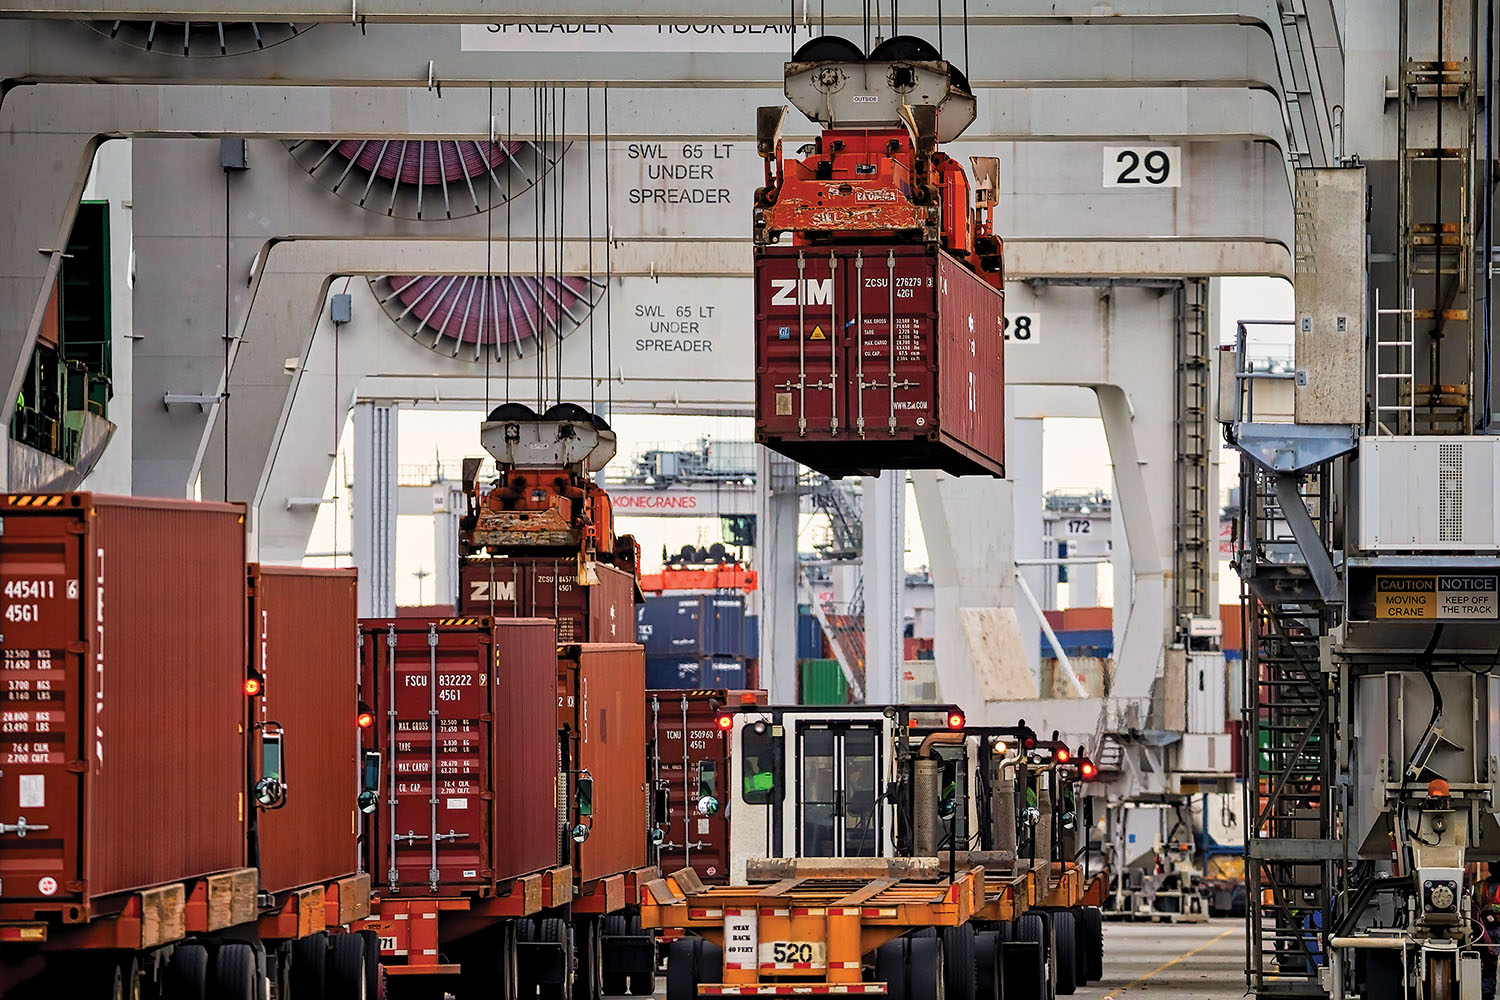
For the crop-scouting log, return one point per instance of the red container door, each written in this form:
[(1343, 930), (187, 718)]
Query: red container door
[(41, 708), (440, 686), (611, 606), (891, 389), (610, 744), (525, 753), (694, 765), (971, 352), (800, 361)]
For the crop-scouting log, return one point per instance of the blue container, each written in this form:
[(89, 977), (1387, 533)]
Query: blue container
[(723, 672), (724, 625), (752, 637), (670, 626), (673, 673), (809, 638)]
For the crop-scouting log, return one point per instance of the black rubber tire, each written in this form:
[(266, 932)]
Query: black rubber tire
[(987, 973), (1093, 948), (346, 968), (554, 930), (1034, 926), (310, 966), (234, 973), (959, 969), (927, 977), (1080, 949), (1007, 930), (891, 961), (1023, 971), (1065, 934), (372, 964), (710, 964), (615, 983), (187, 973), (642, 984), (682, 968), (925, 932)]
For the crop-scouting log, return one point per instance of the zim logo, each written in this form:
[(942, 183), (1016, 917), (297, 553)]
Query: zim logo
[(815, 291)]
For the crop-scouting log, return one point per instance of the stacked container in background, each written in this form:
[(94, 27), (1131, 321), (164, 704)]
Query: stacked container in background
[(694, 640)]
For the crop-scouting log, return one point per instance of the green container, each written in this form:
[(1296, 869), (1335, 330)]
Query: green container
[(822, 683)]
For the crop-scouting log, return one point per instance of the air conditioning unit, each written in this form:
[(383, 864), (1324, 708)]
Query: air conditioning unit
[(1428, 494)]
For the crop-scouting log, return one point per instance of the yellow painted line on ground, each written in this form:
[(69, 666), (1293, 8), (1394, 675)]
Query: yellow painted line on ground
[(1167, 965)]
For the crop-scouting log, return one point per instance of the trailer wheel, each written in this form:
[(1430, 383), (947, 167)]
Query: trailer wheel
[(1023, 971), (927, 980), (890, 967), (1064, 931), (555, 930), (987, 965), (1091, 942), (372, 965), (234, 972), (346, 968), (710, 964), (1036, 928), (959, 966), (124, 978), (187, 973), (615, 983), (588, 984), (1080, 948), (310, 966), (682, 968)]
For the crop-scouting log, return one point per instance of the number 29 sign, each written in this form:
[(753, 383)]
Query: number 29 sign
[(1138, 167)]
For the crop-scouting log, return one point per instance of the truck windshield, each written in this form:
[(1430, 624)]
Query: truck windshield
[(760, 760)]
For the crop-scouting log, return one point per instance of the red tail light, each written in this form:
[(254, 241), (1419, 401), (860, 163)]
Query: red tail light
[(725, 722), (1063, 756), (365, 720), (1087, 770), (252, 686), (955, 720)]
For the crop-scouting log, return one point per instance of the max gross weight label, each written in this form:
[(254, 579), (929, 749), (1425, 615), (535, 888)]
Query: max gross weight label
[(1437, 597)]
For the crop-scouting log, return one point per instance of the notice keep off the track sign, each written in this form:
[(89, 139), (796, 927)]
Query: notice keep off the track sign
[(1437, 597)]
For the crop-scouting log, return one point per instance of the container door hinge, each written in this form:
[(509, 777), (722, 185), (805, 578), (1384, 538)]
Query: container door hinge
[(76, 766)]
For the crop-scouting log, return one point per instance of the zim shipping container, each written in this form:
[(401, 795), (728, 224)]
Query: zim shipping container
[(119, 611), (539, 587), (601, 709), (693, 767), (303, 637), (833, 391), (491, 686)]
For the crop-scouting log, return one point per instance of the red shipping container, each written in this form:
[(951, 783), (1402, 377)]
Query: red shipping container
[(605, 715), (491, 686), (1234, 627), (1079, 619), (689, 769), (123, 703), (833, 394), (538, 587), (303, 642)]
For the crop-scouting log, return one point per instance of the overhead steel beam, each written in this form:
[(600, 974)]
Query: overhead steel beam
[(728, 12), (1158, 114), (1009, 57)]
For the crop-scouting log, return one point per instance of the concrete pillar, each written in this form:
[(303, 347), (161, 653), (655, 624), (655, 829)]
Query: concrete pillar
[(1023, 467), (445, 542), (776, 554), (375, 505), (111, 181), (1083, 585), (969, 527), (884, 556)]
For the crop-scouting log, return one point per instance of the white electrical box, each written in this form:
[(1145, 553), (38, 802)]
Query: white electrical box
[(1428, 494)]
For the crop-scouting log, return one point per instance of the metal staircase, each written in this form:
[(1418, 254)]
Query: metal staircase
[(1290, 764)]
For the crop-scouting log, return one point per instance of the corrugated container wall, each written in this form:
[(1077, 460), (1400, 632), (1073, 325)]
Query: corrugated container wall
[(823, 683), (538, 587), (303, 641), (872, 358), (601, 688), (124, 656), (694, 763), (493, 686)]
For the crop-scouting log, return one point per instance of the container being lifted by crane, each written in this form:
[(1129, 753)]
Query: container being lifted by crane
[(539, 541), (880, 328)]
